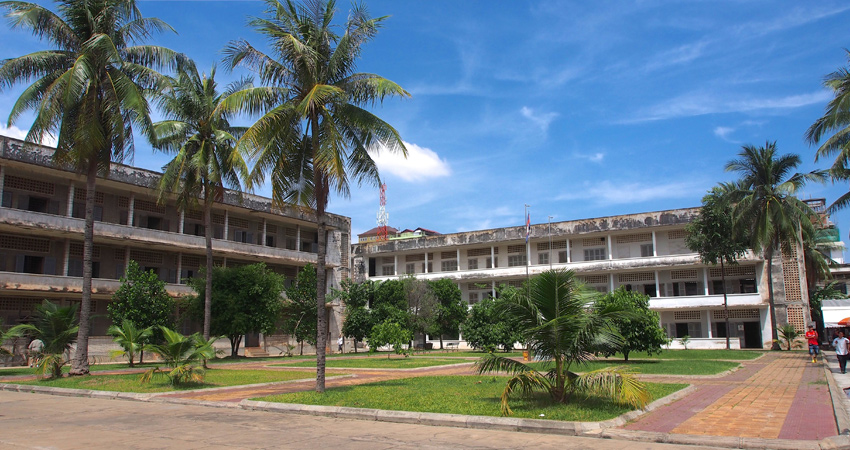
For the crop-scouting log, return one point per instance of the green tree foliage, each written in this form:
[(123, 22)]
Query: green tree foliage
[(246, 299), (358, 320), (421, 304), (486, 329), (560, 320), (451, 309), (131, 339), (390, 333), (199, 134), (765, 206), (299, 310), (319, 134), (57, 327), (390, 304), (181, 354), (714, 236), (88, 91), (639, 328), (142, 300)]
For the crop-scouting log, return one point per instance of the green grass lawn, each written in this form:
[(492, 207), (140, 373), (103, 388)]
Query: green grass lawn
[(130, 382), (462, 353), (654, 366), (731, 355), (471, 395), (379, 363)]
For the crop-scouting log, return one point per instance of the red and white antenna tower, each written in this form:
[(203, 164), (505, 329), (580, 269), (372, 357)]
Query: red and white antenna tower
[(383, 217)]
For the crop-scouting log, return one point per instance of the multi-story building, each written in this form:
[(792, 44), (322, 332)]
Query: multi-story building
[(41, 235), (644, 252)]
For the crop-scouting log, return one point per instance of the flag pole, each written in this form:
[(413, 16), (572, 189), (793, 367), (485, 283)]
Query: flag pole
[(527, 245)]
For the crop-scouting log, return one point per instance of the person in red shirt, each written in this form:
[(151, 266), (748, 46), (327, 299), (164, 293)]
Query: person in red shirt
[(812, 337)]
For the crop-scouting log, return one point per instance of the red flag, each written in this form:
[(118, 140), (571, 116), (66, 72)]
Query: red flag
[(527, 227)]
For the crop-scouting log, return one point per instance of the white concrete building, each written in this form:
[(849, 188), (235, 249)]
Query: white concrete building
[(645, 252)]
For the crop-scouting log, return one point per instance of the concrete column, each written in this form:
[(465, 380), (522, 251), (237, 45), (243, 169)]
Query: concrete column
[(493, 288), (179, 265), (395, 264), (654, 245), (297, 238), (492, 257), (66, 263), (657, 286), (182, 224), (707, 323), (226, 224), (458, 259), (263, 238), (569, 256), (610, 249), (223, 262), (426, 263), (131, 210), (705, 279), (71, 189), (2, 177), (611, 282)]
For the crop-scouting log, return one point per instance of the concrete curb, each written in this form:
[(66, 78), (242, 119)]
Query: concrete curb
[(839, 398), (602, 430)]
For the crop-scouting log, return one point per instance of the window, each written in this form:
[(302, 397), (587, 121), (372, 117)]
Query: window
[(410, 268), (448, 266), (38, 204), (490, 264), (543, 258), (472, 264), (387, 270), (646, 250), (517, 260), (649, 289), (748, 286), (717, 287), (562, 256), (430, 267), (473, 298), (691, 288), (269, 241), (154, 223), (594, 254)]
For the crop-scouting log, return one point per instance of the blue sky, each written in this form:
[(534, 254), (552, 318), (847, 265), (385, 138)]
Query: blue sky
[(579, 109)]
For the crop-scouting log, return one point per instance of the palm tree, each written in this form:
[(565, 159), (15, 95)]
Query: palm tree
[(206, 161), (836, 119), (318, 136), (559, 319), (766, 208), (88, 92), (131, 339), (57, 328), (180, 354)]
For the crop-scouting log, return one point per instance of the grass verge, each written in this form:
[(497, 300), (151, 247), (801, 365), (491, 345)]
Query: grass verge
[(654, 366), (469, 395), (130, 382), (378, 363), (729, 355)]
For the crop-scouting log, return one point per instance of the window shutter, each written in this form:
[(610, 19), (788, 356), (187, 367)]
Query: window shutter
[(50, 266), (19, 263)]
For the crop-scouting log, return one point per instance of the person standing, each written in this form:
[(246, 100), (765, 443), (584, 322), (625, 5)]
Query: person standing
[(814, 347), (339, 343), (35, 347), (842, 349)]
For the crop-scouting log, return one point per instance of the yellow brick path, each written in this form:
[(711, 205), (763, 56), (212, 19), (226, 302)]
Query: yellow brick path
[(757, 408)]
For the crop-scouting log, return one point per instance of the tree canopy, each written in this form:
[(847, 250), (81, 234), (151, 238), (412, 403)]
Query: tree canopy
[(143, 300), (640, 327)]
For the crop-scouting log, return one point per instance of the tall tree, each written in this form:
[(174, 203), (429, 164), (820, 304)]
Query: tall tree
[(835, 121), (88, 92), (451, 309), (299, 310), (422, 305), (639, 328), (766, 208), (714, 236), (358, 319), (320, 135), (203, 142)]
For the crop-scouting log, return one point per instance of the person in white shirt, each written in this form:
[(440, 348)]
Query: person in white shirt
[(339, 343), (842, 349)]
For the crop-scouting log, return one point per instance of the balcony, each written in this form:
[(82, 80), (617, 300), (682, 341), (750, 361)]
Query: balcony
[(705, 301), (60, 285)]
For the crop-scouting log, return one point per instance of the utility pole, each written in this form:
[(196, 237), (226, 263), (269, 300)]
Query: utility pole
[(550, 242)]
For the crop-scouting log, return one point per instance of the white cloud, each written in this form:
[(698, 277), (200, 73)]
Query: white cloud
[(542, 120), (592, 157), (724, 132), (680, 55), (17, 133), (702, 103), (606, 193), (421, 163)]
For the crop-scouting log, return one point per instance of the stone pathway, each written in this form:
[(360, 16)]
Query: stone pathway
[(780, 395)]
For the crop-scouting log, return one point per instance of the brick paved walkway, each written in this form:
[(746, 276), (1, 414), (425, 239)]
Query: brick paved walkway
[(779, 396)]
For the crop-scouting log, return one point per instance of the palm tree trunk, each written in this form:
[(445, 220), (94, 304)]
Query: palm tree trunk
[(725, 301), (771, 305), (208, 273), (321, 192), (80, 363)]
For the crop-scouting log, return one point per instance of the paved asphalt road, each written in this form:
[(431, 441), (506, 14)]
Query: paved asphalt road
[(37, 421)]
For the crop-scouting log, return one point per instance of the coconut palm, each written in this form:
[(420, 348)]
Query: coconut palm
[(131, 339), (88, 93), (180, 355), (835, 121), (318, 137), (203, 141), (559, 319), (766, 208), (57, 328)]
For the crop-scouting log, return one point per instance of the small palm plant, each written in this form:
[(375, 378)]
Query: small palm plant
[(206, 349), (685, 340), (57, 328), (131, 339), (180, 355), (559, 319), (788, 333)]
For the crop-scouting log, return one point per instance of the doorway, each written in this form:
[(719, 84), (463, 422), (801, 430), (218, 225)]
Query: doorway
[(752, 335)]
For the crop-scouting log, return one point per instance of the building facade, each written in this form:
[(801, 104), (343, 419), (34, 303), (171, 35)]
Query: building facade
[(644, 252), (41, 235)]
